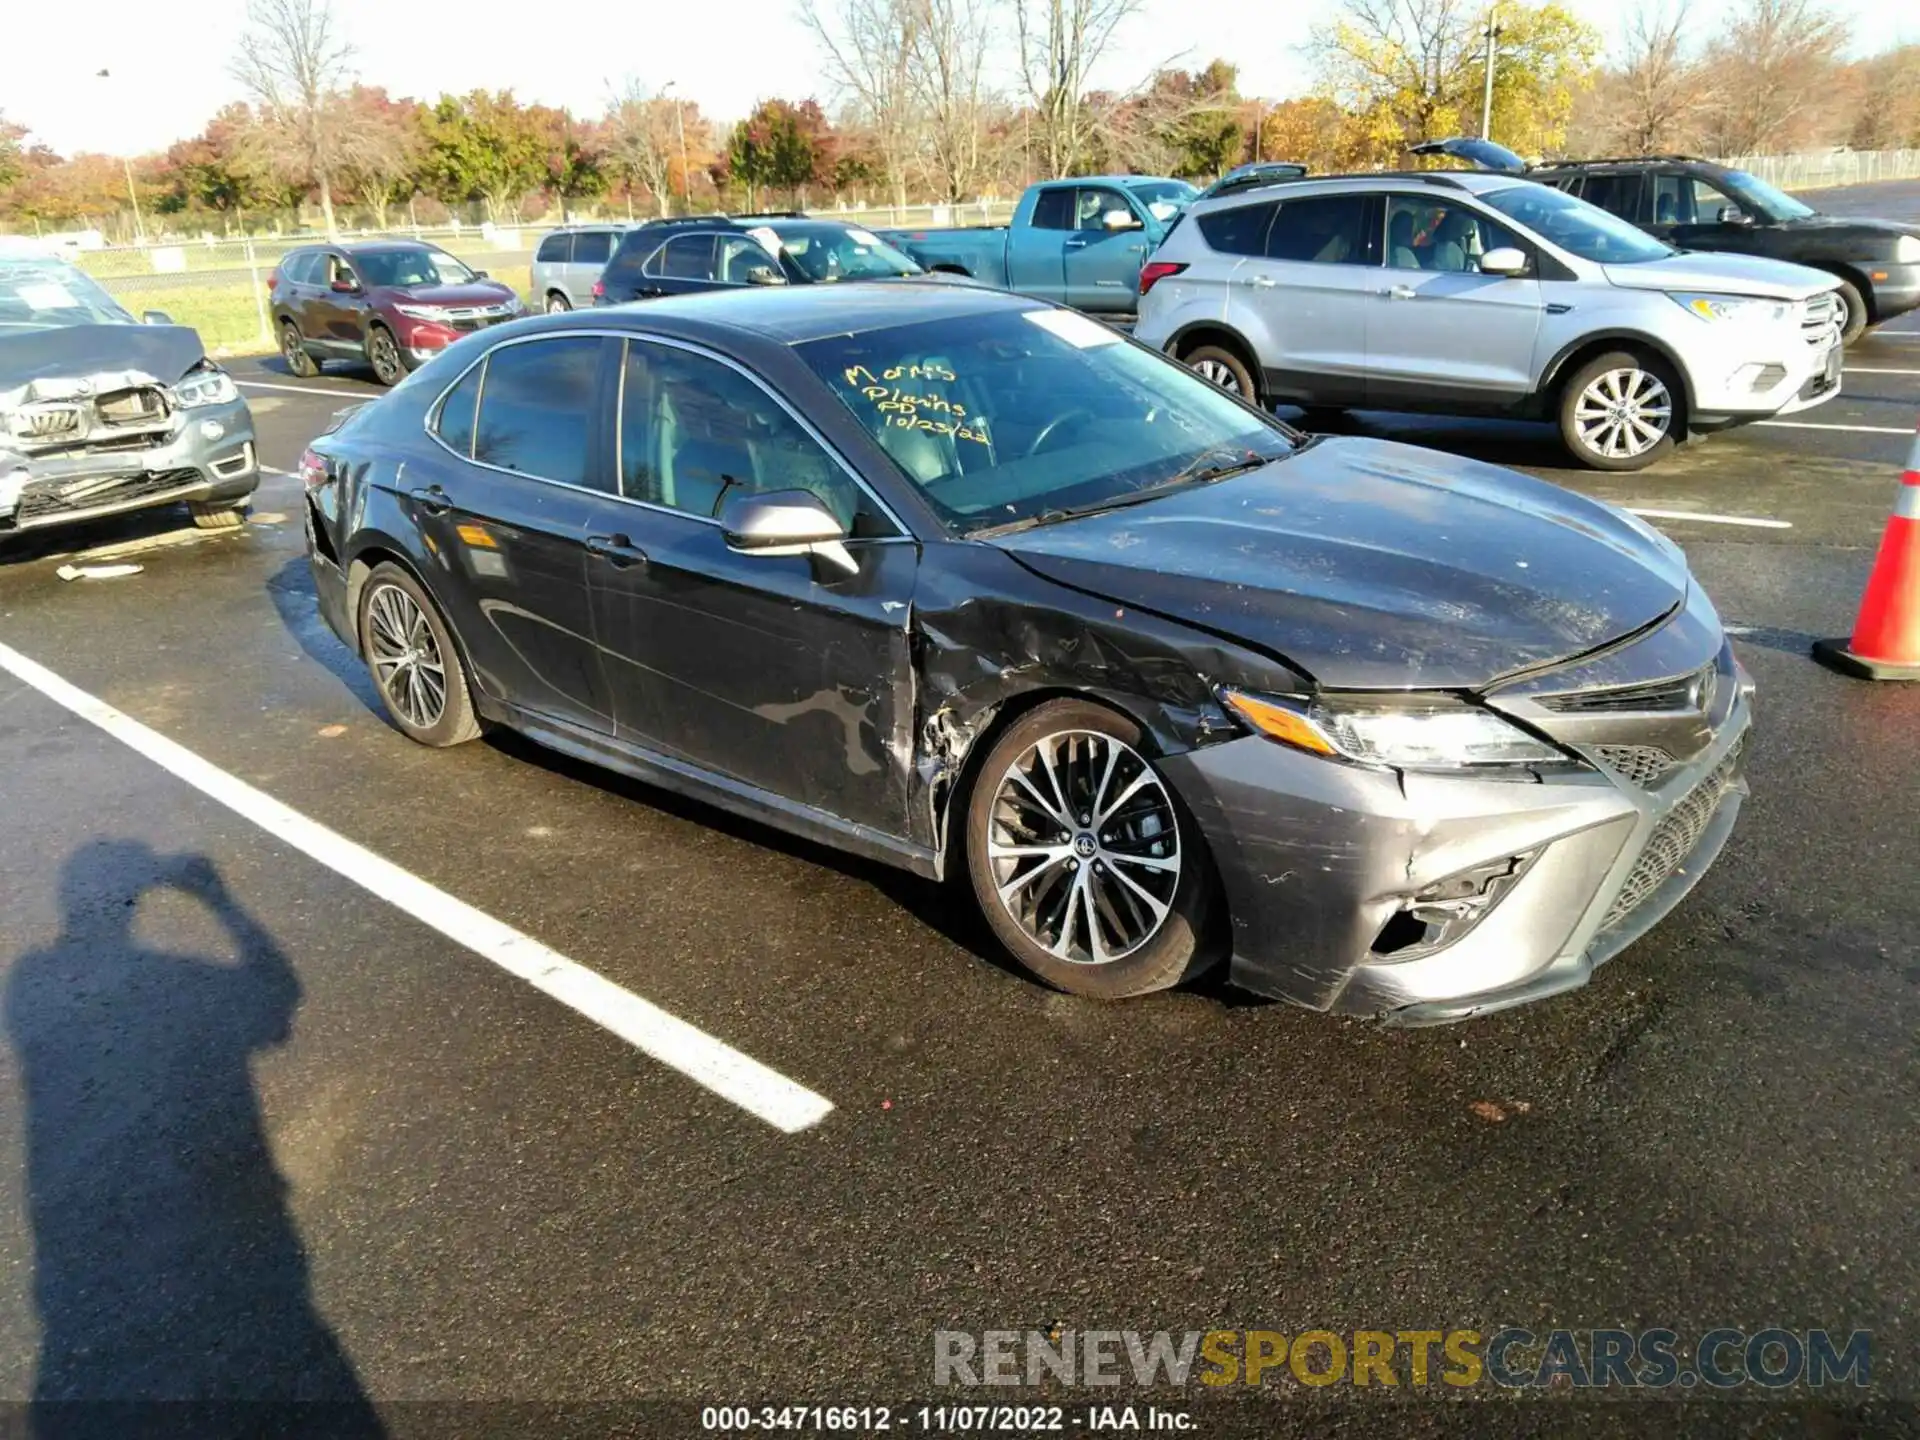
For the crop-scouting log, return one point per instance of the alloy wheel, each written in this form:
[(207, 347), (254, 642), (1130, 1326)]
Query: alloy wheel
[(1220, 373), (406, 659), (556, 304), (1623, 413), (386, 358), (1084, 847)]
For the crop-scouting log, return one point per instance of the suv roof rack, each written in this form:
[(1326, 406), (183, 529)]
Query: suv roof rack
[(1621, 160), (1449, 179), (720, 219)]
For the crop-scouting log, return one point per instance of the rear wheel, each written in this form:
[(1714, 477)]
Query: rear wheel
[(556, 303), (1225, 369), (1854, 318), (383, 353), (1081, 858), (217, 517), (1621, 411), (415, 664), (295, 352)]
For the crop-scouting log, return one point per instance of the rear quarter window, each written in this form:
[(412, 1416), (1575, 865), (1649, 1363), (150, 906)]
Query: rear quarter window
[(592, 247), (1241, 230), (454, 423)]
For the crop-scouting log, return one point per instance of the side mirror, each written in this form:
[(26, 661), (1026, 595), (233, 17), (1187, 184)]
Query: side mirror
[(481, 275), (155, 317), (1120, 220), (1734, 215), (344, 286), (786, 522), (1504, 260), (765, 275)]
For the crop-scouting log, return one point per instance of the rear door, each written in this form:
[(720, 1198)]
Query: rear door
[(1304, 303), (1102, 266), (684, 265), (528, 478), (1620, 192), (591, 251), (550, 266), (1438, 329)]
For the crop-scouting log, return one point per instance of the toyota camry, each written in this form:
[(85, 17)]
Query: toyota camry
[(976, 586)]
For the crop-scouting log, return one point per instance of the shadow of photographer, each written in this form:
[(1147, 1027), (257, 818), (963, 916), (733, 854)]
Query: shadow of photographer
[(167, 1264)]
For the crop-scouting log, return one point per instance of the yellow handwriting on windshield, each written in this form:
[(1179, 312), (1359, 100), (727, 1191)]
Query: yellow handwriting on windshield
[(906, 409), (933, 370)]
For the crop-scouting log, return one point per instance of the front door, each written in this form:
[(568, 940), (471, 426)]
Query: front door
[(1693, 213), (1439, 330), (1102, 265), (508, 520), (777, 672)]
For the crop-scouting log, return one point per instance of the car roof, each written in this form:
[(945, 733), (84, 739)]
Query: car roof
[(1475, 182), (361, 247)]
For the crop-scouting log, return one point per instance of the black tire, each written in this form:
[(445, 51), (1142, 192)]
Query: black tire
[(227, 515), (384, 355), (1854, 318), (1176, 945), (1224, 368), (557, 303), (454, 721), (1574, 410), (294, 351)]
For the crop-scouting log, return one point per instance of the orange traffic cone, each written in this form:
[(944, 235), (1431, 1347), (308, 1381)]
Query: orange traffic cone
[(1886, 637)]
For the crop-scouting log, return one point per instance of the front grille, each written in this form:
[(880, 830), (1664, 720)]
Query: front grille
[(1674, 838), (1636, 764), (1819, 316), (1689, 692), (56, 497)]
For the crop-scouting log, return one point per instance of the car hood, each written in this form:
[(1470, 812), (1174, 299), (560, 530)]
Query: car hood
[(1856, 224), (1372, 565), (480, 292), (1725, 274), (166, 352)]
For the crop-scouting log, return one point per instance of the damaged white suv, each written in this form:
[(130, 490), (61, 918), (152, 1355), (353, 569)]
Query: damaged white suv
[(101, 413)]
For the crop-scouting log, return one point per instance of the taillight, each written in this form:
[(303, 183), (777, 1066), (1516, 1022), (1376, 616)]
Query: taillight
[(273, 278), (313, 470), (1154, 271), (599, 290)]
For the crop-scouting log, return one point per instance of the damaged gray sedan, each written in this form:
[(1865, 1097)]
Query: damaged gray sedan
[(100, 413), (977, 587)]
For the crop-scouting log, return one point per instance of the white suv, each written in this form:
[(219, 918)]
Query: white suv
[(1486, 294)]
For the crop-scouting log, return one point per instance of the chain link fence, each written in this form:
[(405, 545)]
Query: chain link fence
[(1821, 170)]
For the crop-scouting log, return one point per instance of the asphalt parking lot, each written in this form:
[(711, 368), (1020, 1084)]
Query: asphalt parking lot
[(285, 1140)]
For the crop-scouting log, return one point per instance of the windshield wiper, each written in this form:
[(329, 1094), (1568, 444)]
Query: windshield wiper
[(1197, 472)]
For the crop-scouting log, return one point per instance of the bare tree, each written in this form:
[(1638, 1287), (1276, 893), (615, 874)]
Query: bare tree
[(293, 63), (1659, 93), (947, 79), (870, 47), (644, 136), (1060, 42), (1775, 62)]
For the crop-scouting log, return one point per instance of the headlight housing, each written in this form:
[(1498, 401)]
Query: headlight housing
[(423, 312), (1734, 307), (1405, 732), (1906, 250), (208, 385)]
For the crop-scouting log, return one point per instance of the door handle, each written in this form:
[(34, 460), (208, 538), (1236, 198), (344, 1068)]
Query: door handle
[(1401, 292), (1259, 282), (433, 500), (1074, 244), (617, 550)]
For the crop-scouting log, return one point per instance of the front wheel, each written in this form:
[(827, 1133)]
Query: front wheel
[(1082, 859), (383, 353), (415, 664), (1621, 411), (1854, 318)]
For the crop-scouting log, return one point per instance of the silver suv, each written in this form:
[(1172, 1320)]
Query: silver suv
[(1486, 294), (568, 264)]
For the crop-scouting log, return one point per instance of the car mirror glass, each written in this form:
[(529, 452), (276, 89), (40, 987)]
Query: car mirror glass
[(786, 522)]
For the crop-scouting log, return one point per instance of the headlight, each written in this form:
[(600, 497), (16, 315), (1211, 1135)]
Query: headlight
[(423, 312), (1734, 307), (1428, 733), (205, 387), (1906, 250)]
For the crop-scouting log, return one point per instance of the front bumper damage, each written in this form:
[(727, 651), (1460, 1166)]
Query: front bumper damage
[(1522, 886), (76, 448)]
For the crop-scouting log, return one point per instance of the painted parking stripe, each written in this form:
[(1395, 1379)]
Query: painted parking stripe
[(307, 390), (1756, 522), (755, 1088), (1872, 370), (1850, 429)]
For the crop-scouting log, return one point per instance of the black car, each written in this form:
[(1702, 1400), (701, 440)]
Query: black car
[(1698, 205), (695, 254), (976, 586)]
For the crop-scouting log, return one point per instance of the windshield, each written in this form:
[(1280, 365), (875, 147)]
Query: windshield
[(1015, 415), (1164, 192), (1756, 194), (424, 266), (41, 294), (1575, 226), (825, 253)]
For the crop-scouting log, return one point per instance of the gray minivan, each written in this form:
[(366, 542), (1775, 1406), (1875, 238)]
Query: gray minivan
[(568, 264)]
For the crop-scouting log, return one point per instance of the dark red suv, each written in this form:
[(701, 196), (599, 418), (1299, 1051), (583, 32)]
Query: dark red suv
[(392, 303)]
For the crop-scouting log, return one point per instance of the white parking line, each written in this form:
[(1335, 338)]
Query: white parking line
[(727, 1072), (1871, 370), (306, 390), (1854, 429), (1709, 519)]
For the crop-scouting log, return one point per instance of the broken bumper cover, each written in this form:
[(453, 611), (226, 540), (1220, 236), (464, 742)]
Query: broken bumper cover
[(1317, 858), (192, 463)]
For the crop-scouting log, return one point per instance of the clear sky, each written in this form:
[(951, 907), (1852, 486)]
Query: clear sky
[(169, 71)]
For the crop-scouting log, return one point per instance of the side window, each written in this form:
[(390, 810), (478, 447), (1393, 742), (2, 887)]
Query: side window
[(592, 247), (1053, 210), (298, 268), (1423, 234), (740, 256), (1239, 231), (338, 268), (684, 257), (1090, 207), (693, 431), (631, 255), (1327, 230), (1708, 201), (537, 409), (454, 423), (1618, 194), (1672, 200), (553, 249)]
